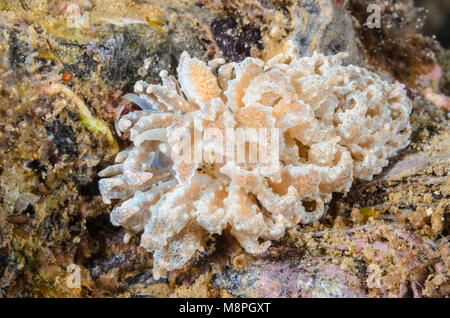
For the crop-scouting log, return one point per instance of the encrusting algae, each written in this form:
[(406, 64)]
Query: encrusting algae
[(336, 123)]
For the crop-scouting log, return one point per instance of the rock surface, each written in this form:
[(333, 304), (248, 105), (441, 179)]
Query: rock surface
[(64, 66)]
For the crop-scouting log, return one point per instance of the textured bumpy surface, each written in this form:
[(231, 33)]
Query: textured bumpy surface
[(65, 66), (337, 123)]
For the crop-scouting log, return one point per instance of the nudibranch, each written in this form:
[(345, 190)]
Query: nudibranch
[(336, 123)]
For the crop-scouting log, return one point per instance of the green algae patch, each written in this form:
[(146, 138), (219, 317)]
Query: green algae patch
[(90, 122), (370, 212)]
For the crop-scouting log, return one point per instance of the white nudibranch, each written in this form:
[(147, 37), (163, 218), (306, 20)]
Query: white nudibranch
[(336, 123)]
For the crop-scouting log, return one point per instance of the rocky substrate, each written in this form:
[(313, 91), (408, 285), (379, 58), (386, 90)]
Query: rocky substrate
[(64, 66)]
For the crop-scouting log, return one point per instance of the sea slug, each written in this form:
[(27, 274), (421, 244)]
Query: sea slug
[(336, 123)]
